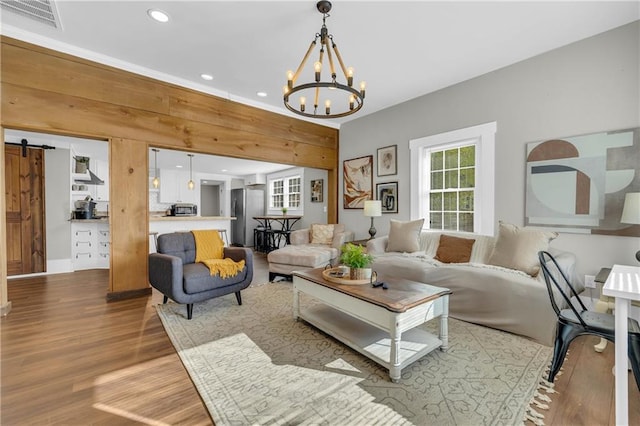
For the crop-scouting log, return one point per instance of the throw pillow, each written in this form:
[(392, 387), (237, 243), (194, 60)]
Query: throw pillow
[(404, 236), (454, 249), (517, 248), (321, 234)]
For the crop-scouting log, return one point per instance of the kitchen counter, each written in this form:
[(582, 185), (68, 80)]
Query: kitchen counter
[(161, 224), (97, 220), (187, 218)]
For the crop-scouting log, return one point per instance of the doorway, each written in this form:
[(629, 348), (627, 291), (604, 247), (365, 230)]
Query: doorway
[(211, 197)]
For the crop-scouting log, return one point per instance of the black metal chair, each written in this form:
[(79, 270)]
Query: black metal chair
[(574, 322)]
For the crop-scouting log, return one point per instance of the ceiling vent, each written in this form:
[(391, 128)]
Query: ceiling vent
[(43, 11)]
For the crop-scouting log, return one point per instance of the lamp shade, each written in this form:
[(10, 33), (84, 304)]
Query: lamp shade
[(373, 208), (630, 211)]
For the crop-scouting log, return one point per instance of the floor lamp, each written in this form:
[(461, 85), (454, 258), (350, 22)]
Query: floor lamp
[(372, 208)]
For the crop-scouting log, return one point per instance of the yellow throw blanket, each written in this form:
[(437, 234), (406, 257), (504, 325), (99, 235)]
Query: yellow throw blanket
[(210, 251)]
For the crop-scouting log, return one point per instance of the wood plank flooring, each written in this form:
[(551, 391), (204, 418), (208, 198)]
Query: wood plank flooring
[(70, 358)]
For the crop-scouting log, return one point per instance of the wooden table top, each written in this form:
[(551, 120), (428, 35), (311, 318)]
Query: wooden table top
[(399, 297)]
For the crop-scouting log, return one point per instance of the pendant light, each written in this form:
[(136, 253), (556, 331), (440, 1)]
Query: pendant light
[(156, 180), (191, 185)]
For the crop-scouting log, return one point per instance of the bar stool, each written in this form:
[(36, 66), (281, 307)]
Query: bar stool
[(260, 239), (223, 234), (155, 239)]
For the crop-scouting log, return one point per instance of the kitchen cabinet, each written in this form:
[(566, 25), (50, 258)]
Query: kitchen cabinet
[(101, 169), (90, 245), (173, 187)]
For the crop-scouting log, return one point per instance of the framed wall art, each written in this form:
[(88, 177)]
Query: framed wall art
[(578, 184), (358, 181), (388, 160), (316, 190), (388, 195)]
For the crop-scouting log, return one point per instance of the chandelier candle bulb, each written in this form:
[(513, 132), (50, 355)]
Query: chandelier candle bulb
[(289, 79), (352, 100), (363, 85), (303, 100), (317, 66), (350, 77), (327, 106)]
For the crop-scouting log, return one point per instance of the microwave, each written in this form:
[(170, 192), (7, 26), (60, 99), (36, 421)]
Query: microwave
[(184, 209)]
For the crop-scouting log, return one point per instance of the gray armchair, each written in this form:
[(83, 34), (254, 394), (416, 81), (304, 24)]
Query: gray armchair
[(174, 273)]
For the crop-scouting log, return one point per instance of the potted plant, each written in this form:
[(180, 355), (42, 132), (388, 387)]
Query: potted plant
[(284, 211), (358, 261)]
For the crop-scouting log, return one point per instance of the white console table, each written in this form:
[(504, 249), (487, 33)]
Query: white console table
[(623, 284)]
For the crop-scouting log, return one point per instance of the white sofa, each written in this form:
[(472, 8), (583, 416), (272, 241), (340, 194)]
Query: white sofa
[(305, 252), (494, 296)]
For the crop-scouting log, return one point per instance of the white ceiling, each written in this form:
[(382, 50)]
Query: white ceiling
[(402, 49)]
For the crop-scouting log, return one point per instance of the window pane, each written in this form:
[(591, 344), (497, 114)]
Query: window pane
[(450, 221), (468, 156), (437, 180), (435, 220), (436, 160), (450, 201), (451, 158), (451, 179), (435, 201), (466, 222), (468, 178), (466, 201)]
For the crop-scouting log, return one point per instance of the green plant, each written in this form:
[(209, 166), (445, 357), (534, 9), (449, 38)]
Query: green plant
[(284, 210), (354, 256)]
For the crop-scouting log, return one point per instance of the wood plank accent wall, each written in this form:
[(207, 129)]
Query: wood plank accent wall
[(52, 92)]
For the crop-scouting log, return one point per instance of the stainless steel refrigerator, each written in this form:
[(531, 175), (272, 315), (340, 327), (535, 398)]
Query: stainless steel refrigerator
[(245, 204)]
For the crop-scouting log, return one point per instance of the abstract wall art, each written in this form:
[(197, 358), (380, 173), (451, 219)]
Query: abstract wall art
[(358, 181), (578, 184)]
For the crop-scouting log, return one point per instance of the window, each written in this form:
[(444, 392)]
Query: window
[(285, 192), (452, 179)]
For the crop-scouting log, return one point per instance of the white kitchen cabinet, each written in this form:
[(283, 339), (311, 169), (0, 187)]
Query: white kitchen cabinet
[(90, 245), (173, 187), (256, 179), (101, 169)]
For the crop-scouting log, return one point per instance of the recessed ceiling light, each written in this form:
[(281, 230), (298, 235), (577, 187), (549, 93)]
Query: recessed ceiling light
[(158, 15), (179, 166), (224, 170), (262, 94), (207, 77)]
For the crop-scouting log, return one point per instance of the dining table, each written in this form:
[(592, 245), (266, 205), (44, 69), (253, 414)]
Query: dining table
[(285, 221)]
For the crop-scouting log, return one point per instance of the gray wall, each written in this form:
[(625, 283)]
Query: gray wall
[(586, 87), (57, 176), (313, 212)]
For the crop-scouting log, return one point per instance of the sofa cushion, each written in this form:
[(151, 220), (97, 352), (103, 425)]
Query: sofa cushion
[(197, 278), (308, 255), (517, 248), (454, 249), (321, 234), (404, 236)]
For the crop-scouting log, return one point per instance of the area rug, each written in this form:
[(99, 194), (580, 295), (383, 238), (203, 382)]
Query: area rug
[(255, 365)]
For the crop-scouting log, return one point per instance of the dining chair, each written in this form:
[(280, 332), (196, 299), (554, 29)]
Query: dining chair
[(576, 321)]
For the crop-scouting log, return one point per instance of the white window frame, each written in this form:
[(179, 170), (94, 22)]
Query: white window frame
[(285, 175), (484, 191)]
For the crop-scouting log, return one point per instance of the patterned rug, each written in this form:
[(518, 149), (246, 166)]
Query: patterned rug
[(254, 364)]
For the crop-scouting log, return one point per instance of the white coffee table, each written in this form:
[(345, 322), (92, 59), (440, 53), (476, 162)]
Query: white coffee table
[(380, 324)]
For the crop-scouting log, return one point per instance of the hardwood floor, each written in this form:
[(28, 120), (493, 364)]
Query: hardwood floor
[(69, 357)]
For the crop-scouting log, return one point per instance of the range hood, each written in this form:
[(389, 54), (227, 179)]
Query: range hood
[(90, 179)]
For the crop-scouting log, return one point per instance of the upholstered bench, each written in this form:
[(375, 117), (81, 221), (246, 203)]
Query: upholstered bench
[(308, 250)]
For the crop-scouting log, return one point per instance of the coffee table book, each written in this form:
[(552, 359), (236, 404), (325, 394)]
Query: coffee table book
[(380, 324)]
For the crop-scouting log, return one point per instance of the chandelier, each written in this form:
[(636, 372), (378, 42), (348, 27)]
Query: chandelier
[(333, 92)]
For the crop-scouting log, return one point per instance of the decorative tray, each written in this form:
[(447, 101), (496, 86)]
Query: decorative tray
[(335, 276)]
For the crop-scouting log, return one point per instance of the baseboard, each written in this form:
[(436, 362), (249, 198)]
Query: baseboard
[(5, 309), (130, 294)]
